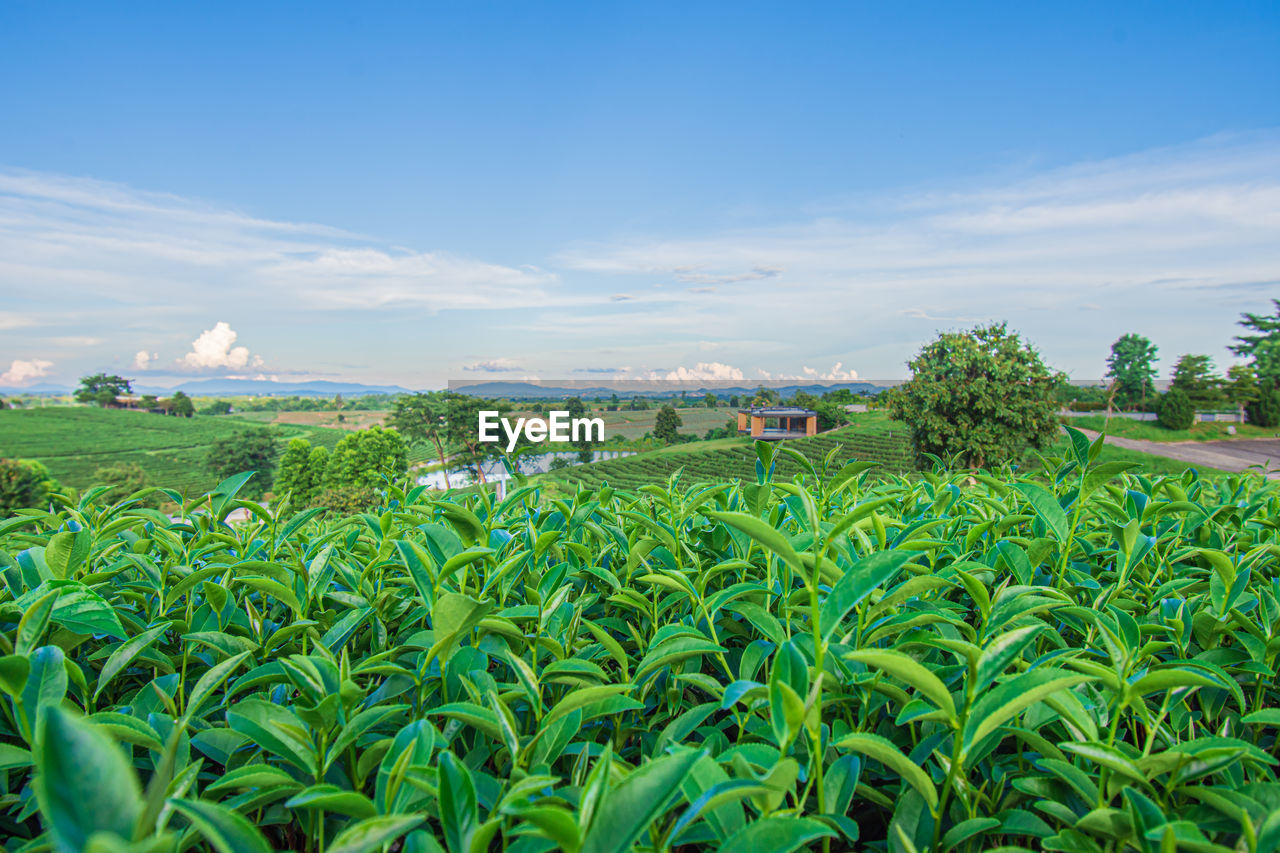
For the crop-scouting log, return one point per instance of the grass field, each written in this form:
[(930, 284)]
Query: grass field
[(1152, 431), (74, 442)]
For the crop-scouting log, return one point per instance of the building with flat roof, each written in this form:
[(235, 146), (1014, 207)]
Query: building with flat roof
[(774, 423)]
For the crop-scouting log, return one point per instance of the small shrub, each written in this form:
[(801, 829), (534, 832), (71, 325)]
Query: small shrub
[(24, 483), (1176, 411)]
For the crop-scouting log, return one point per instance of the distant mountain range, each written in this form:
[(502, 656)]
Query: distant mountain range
[(529, 390), (239, 388)]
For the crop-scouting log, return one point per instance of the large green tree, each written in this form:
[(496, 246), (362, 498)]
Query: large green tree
[(983, 396), (1262, 347), (291, 472), (180, 404), (1131, 366), (462, 417), (365, 458), (667, 425), (423, 419), (102, 388), (251, 450), (1194, 375)]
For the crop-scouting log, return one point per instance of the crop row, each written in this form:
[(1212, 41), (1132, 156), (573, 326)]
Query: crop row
[(1083, 658), (739, 463)]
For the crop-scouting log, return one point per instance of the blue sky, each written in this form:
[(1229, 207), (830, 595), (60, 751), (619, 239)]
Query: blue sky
[(415, 192)]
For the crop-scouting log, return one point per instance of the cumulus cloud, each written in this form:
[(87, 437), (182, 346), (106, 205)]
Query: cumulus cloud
[(21, 372), (836, 373), (704, 370), (215, 349), (143, 359)]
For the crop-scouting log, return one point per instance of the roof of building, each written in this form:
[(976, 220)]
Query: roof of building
[(779, 412)]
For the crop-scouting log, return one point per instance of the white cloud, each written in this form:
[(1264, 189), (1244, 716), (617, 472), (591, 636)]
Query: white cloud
[(77, 340), (1174, 243), (143, 359), (10, 320), (22, 372), (214, 349), (836, 373), (493, 365), (84, 241), (703, 370)]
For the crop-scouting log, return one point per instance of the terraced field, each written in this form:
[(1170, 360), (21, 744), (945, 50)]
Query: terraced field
[(738, 462), (75, 442)]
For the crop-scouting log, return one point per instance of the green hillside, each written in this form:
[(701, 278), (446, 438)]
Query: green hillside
[(74, 442)]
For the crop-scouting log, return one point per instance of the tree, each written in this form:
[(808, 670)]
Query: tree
[(251, 450), (982, 395), (831, 415), (1263, 348), (575, 407), (148, 401), (291, 472), (1194, 376), (337, 402), (102, 388), (181, 406), (1131, 366), (218, 407), (666, 426), (1241, 387), (709, 400), (3, 404), (804, 399), (765, 397), (1264, 411), (1176, 411), (364, 458), (421, 419), (316, 471), (462, 421), (25, 484)]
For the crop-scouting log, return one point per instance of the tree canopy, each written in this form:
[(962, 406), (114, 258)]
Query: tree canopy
[(981, 395), (102, 388), (1194, 376), (666, 425), (1131, 365), (1263, 346)]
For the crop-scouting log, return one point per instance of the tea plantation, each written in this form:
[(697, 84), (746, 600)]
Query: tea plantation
[(74, 442), (1083, 658)]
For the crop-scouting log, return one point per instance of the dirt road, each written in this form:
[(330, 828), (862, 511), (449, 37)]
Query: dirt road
[(1234, 455)]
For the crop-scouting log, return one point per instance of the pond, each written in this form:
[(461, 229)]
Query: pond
[(494, 471)]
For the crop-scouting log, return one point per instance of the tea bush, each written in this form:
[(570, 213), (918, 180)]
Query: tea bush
[(1083, 658)]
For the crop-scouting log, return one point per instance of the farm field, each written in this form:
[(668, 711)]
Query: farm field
[(633, 425), (74, 442), (1079, 659), (352, 419)]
